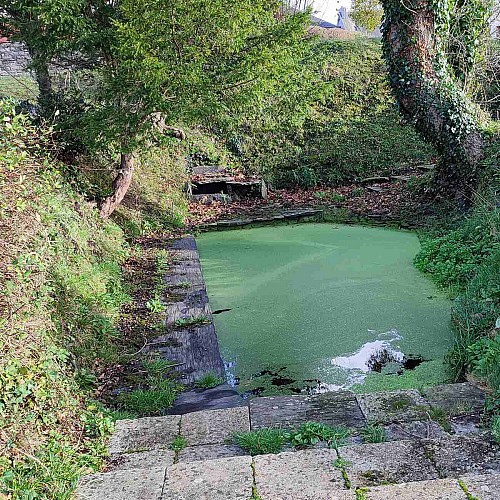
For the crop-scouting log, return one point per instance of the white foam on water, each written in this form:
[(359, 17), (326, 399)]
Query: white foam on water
[(356, 364)]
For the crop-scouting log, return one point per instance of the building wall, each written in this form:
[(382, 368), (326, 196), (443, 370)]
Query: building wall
[(13, 59)]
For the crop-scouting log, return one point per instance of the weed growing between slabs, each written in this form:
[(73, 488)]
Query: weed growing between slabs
[(267, 440)]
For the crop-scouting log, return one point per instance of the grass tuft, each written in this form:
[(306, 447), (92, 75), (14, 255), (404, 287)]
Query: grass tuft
[(209, 381), (262, 441), (374, 433)]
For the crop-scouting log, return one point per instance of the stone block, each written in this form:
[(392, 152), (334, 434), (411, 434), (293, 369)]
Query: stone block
[(210, 452), (456, 399), (457, 455), (417, 429), (141, 460), (438, 489), (221, 479), (484, 486), (334, 408), (136, 484), (214, 426), (144, 434), (301, 475), (393, 406), (390, 462)]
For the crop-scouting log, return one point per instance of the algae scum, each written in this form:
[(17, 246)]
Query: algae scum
[(316, 307)]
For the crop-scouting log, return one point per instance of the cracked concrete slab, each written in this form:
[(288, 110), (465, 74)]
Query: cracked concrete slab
[(438, 489), (144, 434), (301, 475), (210, 452), (393, 406), (222, 479), (457, 455), (417, 429), (484, 486), (139, 484), (390, 462), (141, 460), (334, 408), (214, 426)]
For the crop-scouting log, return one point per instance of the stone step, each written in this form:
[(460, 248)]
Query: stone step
[(459, 404), (217, 398), (403, 470), (146, 442)]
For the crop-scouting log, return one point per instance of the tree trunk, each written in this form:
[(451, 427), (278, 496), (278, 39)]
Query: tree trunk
[(428, 95), (40, 65), (120, 186)]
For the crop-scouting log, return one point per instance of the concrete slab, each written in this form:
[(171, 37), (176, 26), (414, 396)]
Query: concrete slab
[(214, 426), (139, 484), (334, 408), (484, 486), (438, 489), (144, 434), (392, 406), (301, 475), (382, 463), (414, 430), (221, 479), (459, 455), (210, 452), (456, 399), (141, 460)]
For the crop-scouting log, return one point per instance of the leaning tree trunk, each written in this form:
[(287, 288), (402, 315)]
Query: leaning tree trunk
[(120, 186), (429, 96)]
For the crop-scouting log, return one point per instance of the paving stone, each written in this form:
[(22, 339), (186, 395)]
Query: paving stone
[(456, 399), (141, 460), (392, 406), (144, 434), (334, 408), (458, 455), (390, 462), (136, 484), (222, 396), (221, 479), (301, 475), (438, 489), (414, 430), (466, 424), (214, 426), (210, 452), (483, 487)]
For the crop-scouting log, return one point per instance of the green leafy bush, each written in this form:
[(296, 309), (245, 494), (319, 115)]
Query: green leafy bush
[(453, 259)]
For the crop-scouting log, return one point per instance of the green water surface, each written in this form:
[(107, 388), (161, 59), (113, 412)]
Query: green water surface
[(309, 302)]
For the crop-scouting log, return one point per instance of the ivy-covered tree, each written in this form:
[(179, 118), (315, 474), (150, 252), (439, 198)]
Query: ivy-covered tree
[(430, 47)]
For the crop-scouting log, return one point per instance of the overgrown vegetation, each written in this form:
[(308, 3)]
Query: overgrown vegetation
[(465, 261), (346, 128), (61, 293)]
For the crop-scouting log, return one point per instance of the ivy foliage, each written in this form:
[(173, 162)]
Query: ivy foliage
[(431, 48)]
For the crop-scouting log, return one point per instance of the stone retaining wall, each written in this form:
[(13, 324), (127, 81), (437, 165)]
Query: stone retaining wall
[(13, 59)]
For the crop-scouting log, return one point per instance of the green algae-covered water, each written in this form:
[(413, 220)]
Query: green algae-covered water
[(308, 306)]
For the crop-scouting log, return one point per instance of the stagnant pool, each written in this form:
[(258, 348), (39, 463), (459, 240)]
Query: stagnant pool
[(319, 306)]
